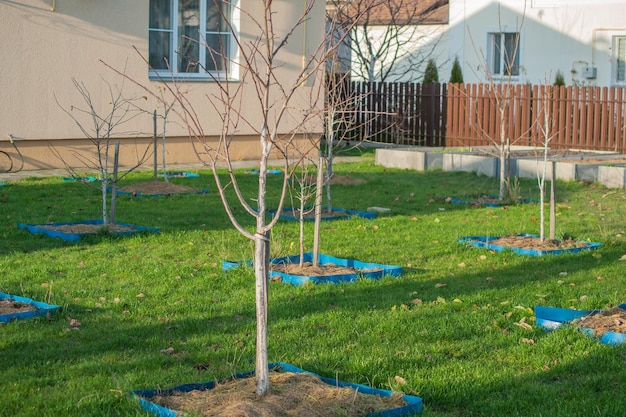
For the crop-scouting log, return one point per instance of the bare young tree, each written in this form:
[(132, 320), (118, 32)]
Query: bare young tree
[(101, 126), (384, 34), (289, 105), (501, 88), (545, 134)]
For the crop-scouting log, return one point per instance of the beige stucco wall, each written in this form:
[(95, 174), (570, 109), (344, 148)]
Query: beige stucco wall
[(42, 51)]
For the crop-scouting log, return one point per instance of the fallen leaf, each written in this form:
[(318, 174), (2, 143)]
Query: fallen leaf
[(482, 257), (416, 219), (457, 300), (461, 265), (528, 341), (400, 380), (74, 323), (440, 284), (168, 351), (140, 295), (416, 301)]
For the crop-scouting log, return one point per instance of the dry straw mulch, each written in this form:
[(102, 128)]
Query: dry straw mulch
[(291, 394)]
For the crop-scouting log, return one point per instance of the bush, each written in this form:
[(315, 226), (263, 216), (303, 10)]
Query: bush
[(431, 75), (559, 79), (456, 75)]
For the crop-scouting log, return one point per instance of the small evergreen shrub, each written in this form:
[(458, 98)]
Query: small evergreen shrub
[(559, 80), (431, 74), (456, 75)]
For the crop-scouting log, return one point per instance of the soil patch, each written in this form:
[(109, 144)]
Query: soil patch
[(8, 306), (291, 394), (310, 270), (613, 320), (157, 188), (535, 243)]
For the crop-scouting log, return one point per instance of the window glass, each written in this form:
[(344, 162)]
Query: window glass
[(191, 37), (160, 33), (620, 69), (511, 54), (188, 35), (503, 53)]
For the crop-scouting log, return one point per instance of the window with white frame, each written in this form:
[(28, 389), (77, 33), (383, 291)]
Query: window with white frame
[(619, 61), (192, 38), (503, 53)]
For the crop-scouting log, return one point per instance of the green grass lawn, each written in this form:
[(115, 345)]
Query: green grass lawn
[(449, 327)]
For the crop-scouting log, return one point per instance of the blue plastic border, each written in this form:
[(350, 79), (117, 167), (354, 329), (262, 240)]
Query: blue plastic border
[(551, 318), (180, 174), (414, 404), (80, 179), (42, 308), (130, 194), (483, 242), (257, 172), (475, 201), (345, 214), (75, 237), (378, 270)]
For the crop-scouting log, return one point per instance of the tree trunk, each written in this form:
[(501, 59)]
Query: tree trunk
[(116, 162), (553, 202), (318, 210), (261, 262)]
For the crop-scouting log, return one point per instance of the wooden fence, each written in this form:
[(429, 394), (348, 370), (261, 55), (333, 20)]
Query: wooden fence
[(589, 118), (398, 113)]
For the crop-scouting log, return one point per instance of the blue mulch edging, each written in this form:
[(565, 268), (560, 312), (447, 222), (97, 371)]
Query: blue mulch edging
[(366, 269), (180, 174), (341, 214), (75, 237), (80, 179), (42, 308), (476, 201), (551, 318), (131, 194), (414, 404), (483, 242), (257, 172)]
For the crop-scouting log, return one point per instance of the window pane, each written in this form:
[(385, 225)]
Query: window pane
[(495, 53), (215, 60), (160, 12), (621, 59), (214, 19), (188, 35), (159, 48), (511, 53)]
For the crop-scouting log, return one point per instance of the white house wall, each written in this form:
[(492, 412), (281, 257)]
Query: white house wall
[(43, 50), (418, 45), (556, 35)]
